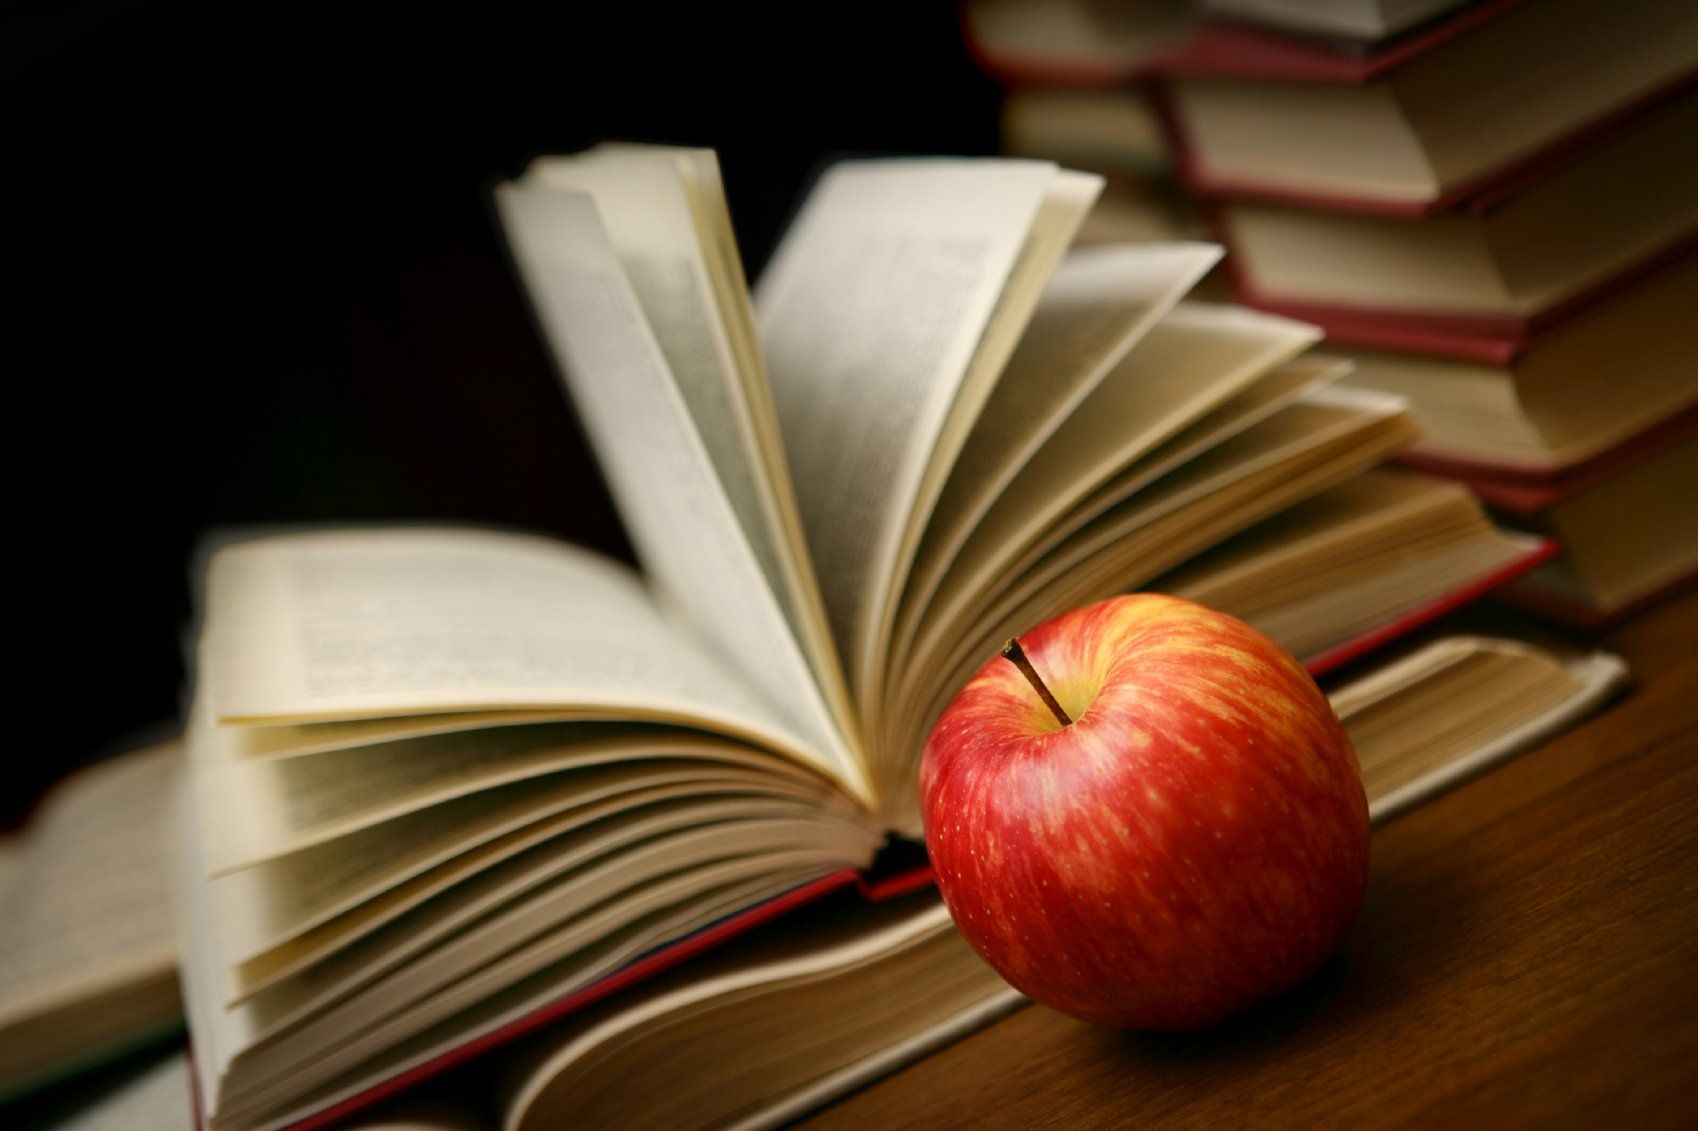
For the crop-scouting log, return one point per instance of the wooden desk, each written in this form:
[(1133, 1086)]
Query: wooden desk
[(1527, 956)]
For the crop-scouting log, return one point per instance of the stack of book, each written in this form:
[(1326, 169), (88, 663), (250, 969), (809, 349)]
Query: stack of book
[(1067, 69), (1492, 210)]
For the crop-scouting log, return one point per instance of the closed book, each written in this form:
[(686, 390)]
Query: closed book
[(1430, 125), (1540, 256), (1573, 402), (1627, 540)]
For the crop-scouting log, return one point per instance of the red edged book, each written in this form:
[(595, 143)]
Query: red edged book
[(1491, 95), (1481, 283), (1578, 401), (1225, 50), (1360, 565), (1520, 492), (1624, 523)]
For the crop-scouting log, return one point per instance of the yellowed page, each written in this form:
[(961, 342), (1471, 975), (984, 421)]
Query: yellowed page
[(88, 906), (480, 963), (265, 904), (1193, 358), (1269, 394), (793, 955), (1293, 455), (289, 740), (1097, 305), (1349, 560), (686, 531), (1433, 718), (583, 968), (299, 978), (665, 213), (256, 809), (223, 1034), (352, 624), (872, 317)]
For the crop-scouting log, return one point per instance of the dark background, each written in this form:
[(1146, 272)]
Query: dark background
[(256, 279)]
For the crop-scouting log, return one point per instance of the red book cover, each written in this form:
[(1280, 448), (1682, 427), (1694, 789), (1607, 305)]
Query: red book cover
[(1580, 616), (1493, 339), (1477, 194), (1238, 51), (1527, 493), (876, 886)]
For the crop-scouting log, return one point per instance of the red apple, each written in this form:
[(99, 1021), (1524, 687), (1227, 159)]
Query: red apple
[(1193, 841)]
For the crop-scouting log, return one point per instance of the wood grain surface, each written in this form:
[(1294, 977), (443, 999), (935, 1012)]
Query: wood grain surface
[(1527, 956)]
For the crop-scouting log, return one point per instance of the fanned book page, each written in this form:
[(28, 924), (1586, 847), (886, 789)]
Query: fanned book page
[(887, 315), (686, 530), (666, 219)]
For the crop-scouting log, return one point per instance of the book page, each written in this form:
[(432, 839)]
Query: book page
[(1333, 530), (1294, 454), (557, 924), (296, 979), (728, 892), (1351, 560), (1297, 453), (787, 996), (532, 994), (256, 809), (870, 316), (90, 886), (351, 624), (1436, 717), (665, 213), (224, 1036), (1193, 358), (1097, 305), (686, 532), (1271, 393), (292, 740), (268, 903)]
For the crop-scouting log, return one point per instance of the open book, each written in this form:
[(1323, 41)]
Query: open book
[(442, 779), (88, 955)]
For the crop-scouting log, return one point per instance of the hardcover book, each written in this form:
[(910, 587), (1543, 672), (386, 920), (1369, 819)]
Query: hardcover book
[(1604, 219), (1627, 539), (1571, 404), (1430, 125), (88, 954)]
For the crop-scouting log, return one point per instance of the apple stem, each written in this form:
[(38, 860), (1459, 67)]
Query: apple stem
[(1016, 655)]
